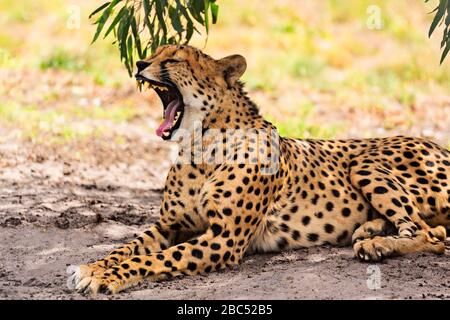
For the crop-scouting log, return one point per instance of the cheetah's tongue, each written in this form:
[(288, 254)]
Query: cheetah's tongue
[(169, 117)]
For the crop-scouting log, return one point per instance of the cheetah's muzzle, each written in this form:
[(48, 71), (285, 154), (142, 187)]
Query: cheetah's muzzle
[(172, 101)]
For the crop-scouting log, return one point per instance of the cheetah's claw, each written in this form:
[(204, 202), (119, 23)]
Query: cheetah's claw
[(372, 250), (80, 277)]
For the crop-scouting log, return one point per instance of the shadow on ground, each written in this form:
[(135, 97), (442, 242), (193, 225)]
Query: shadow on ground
[(54, 213)]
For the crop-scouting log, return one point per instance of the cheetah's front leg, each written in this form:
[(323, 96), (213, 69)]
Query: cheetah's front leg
[(377, 248), (154, 239), (211, 251), (232, 224)]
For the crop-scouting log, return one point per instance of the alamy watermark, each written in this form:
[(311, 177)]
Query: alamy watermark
[(374, 280), (374, 20), (74, 19), (229, 146)]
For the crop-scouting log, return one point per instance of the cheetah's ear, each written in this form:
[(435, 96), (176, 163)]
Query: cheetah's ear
[(232, 67)]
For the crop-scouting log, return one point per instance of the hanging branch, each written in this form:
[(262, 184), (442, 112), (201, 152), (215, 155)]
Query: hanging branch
[(140, 26), (442, 16)]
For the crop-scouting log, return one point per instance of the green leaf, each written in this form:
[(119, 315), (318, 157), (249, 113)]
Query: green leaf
[(150, 25), (438, 17), (137, 39), (175, 19), (447, 19), (214, 12), (155, 42), (119, 15), (206, 11), (103, 6), (160, 11), (445, 52), (445, 38), (104, 17), (129, 63), (189, 23), (189, 31), (171, 40), (195, 7), (122, 35), (147, 11), (182, 9)]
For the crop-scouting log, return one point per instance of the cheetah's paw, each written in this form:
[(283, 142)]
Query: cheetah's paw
[(374, 249), (78, 274)]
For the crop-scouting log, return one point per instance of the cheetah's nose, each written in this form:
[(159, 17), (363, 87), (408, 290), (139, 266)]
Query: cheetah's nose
[(141, 65)]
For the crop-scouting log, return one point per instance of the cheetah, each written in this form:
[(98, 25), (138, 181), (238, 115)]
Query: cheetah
[(248, 190)]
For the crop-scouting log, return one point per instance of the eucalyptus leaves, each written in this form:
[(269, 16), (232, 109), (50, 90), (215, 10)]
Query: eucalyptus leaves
[(140, 26), (442, 16)]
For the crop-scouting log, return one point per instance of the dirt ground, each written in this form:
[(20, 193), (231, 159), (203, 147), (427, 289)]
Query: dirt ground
[(55, 211), (81, 170)]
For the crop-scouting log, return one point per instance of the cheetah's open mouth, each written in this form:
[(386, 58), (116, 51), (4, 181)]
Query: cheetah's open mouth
[(172, 101)]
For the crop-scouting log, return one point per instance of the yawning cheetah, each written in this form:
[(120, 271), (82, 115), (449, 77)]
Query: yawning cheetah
[(249, 190)]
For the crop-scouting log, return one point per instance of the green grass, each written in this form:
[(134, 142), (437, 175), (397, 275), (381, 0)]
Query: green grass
[(305, 68), (61, 125), (63, 60), (299, 128), (318, 46), (302, 124)]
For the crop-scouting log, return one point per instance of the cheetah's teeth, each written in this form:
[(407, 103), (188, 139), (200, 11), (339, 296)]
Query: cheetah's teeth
[(176, 117), (139, 85), (166, 133), (161, 88)]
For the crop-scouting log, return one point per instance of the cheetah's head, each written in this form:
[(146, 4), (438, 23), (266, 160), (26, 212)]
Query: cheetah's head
[(189, 83)]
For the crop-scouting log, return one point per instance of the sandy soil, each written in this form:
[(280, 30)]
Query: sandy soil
[(54, 213)]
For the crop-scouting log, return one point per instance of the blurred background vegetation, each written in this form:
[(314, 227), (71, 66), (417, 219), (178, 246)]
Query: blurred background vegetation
[(317, 69)]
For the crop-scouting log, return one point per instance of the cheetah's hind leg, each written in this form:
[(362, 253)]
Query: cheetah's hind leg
[(391, 199)]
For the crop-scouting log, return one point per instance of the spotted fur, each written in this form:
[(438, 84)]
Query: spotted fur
[(385, 196)]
